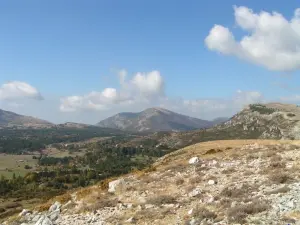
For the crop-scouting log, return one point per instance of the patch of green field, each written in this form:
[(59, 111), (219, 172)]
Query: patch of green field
[(10, 164)]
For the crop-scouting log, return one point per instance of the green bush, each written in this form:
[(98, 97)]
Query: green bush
[(262, 109)]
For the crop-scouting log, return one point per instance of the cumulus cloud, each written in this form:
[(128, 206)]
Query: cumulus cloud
[(272, 41), (15, 90), (141, 88)]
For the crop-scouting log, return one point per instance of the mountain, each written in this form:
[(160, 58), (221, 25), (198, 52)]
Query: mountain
[(8, 118), (154, 119), (255, 121)]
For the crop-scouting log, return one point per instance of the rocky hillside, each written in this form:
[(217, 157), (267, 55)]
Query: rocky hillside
[(220, 182), (156, 119), (258, 121), (12, 119)]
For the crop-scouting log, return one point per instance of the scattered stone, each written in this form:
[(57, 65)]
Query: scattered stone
[(190, 212), (130, 220), (211, 182), (195, 192), (194, 160)]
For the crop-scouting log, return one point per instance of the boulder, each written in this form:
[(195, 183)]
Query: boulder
[(194, 160), (44, 220), (24, 212), (54, 215), (116, 185), (54, 207)]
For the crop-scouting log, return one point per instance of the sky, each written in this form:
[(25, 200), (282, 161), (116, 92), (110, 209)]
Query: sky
[(83, 61)]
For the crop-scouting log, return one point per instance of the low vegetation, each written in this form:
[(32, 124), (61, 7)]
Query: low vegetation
[(262, 109)]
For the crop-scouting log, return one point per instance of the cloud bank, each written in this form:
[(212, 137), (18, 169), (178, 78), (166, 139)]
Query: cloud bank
[(271, 40)]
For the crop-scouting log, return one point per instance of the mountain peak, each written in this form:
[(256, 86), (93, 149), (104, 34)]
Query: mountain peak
[(154, 119)]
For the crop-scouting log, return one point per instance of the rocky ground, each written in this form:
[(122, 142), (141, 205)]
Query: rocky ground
[(220, 182)]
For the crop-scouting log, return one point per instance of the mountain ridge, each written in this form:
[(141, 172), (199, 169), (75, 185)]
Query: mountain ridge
[(8, 118), (154, 119)]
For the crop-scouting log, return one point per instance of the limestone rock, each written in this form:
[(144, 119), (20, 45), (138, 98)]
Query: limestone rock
[(116, 185), (194, 160), (195, 192)]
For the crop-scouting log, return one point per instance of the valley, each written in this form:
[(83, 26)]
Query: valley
[(39, 165)]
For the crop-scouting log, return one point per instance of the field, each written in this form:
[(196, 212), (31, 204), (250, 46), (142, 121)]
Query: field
[(10, 164)]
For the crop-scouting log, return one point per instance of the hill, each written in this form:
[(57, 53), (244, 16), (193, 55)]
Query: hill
[(219, 182), (155, 119), (256, 121), (8, 118)]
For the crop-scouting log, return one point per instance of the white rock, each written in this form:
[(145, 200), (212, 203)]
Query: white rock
[(130, 220), (54, 207), (195, 192), (211, 182), (44, 220), (24, 212), (194, 160), (116, 185), (149, 206), (233, 204), (190, 212), (54, 215)]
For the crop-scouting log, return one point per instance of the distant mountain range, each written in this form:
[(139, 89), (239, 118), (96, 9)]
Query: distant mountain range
[(13, 119), (156, 119), (149, 120)]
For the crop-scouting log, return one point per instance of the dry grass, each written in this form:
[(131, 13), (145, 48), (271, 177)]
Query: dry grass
[(284, 189), (195, 180), (63, 198), (151, 214), (242, 192), (279, 177), (100, 203), (229, 170), (179, 181), (203, 213), (239, 213)]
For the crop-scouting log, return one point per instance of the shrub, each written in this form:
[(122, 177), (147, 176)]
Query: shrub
[(236, 192), (291, 114), (195, 180), (238, 213), (27, 167), (204, 213), (162, 199), (262, 109), (179, 181)]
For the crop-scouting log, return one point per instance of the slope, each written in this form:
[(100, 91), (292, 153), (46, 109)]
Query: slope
[(154, 119)]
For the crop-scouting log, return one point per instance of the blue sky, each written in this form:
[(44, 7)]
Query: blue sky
[(71, 48)]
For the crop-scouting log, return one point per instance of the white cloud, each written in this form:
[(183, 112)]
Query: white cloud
[(149, 83), (15, 90), (272, 41), (141, 88)]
